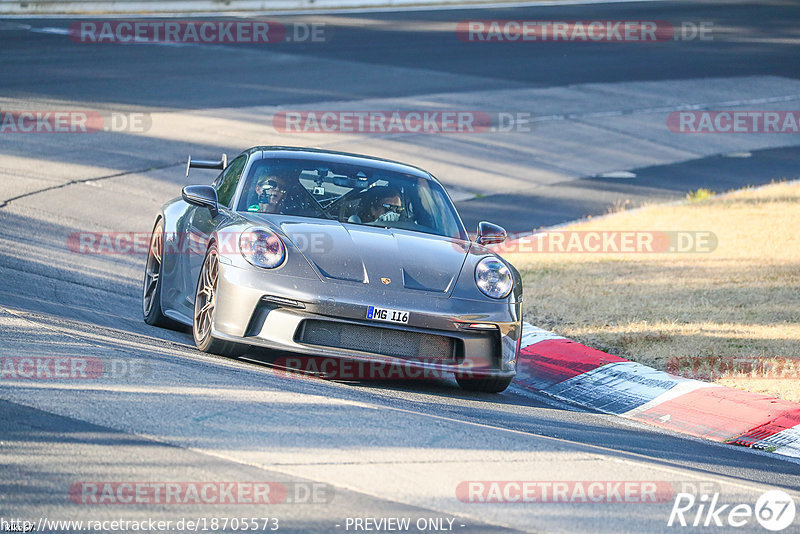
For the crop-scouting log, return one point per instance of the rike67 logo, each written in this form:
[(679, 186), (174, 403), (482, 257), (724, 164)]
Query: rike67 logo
[(774, 510)]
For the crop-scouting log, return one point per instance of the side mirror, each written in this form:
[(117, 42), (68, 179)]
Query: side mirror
[(489, 234), (204, 196)]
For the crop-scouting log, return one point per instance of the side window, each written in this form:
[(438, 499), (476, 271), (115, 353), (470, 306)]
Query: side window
[(226, 183)]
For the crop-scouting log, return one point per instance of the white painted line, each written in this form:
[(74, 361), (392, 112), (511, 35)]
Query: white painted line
[(617, 174), (13, 26), (47, 29)]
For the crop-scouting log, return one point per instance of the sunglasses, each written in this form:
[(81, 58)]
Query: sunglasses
[(392, 207), (271, 184)]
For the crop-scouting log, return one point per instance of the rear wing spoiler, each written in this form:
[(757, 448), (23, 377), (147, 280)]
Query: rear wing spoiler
[(206, 164)]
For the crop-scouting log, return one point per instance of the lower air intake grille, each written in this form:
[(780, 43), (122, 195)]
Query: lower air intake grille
[(384, 341)]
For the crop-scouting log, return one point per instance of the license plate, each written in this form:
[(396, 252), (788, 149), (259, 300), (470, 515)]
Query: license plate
[(387, 315)]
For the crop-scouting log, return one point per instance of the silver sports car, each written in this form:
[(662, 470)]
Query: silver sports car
[(334, 255)]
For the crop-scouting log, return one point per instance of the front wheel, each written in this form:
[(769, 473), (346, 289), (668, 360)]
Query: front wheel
[(484, 384), (205, 300)]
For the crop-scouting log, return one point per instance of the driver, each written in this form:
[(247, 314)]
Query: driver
[(380, 204), (271, 192)]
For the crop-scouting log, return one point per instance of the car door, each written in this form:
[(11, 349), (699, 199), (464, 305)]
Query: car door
[(201, 224)]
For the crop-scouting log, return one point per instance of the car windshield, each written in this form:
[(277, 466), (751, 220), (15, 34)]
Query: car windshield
[(352, 194)]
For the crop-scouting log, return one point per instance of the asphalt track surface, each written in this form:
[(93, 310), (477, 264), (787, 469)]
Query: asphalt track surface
[(384, 449)]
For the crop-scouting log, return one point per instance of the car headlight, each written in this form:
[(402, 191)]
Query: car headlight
[(262, 248), (493, 278)]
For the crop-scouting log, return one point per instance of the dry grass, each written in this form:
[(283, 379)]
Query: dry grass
[(739, 303)]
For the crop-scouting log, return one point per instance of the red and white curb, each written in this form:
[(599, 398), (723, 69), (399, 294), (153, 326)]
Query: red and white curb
[(561, 368)]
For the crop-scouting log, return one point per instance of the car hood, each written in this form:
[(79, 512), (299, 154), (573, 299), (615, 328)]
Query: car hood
[(384, 257)]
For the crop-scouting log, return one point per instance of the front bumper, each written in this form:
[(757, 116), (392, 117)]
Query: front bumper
[(261, 309)]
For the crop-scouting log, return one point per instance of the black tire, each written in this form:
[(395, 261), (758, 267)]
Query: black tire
[(205, 307), (484, 384), (151, 290)]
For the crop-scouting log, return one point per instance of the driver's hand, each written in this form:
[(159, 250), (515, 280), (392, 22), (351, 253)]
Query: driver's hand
[(389, 216)]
